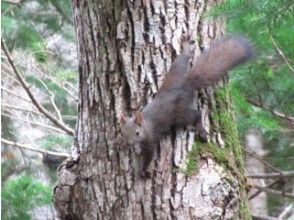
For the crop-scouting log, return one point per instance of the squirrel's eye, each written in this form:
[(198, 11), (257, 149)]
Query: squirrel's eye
[(137, 133)]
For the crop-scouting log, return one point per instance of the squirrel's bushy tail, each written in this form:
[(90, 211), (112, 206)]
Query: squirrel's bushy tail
[(224, 54)]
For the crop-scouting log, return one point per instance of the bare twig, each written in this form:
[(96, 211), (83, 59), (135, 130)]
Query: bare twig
[(263, 217), (20, 109), (274, 192), (57, 122), (284, 174), (274, 112), (62, 85), (34, 123), (15, 94), (281, 53), (16, 2), (8, 72), (52, 96), (286, 212), (262, 160), (71, 86), (69, 117), (26, 147), (268, 185)]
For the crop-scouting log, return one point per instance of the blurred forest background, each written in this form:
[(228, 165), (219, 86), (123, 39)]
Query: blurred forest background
[(39, 87)]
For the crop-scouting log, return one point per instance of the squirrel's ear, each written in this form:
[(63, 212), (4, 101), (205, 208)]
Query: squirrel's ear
[(123, 119), (138, 118)]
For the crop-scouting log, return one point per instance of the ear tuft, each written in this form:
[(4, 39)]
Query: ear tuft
[(138, 118)]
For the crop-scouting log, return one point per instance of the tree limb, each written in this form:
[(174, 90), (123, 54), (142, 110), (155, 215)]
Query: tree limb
[(286, 212), (24, 84), (284, 174), (263, 217), (62, 85), (20, 109), (26, 147), (15, 94), (16, 2), (268, 185), (34, 123), (52, 97), (274, 192), (274, 112), (261, 160)]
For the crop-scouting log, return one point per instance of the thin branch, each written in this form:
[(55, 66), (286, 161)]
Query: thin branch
[(15, 94), (58, 123), (72, 87), (20, 109), (274, 112), (281, 53), (52, 96), (16, 2), (69, 117), (263, 217), (61, 85), (8, 72), (34, 123), (274, 192), (26, 147), (284, 174), (286, 212), (261, 160), (268, 185)]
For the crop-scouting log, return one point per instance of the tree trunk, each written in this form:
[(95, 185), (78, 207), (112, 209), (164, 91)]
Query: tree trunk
[(254, 144), (125, 49)]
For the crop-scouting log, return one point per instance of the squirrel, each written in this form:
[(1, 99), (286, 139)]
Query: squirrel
[(172, 106)]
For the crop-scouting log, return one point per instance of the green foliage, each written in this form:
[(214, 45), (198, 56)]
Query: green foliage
[(268, 84), (21, 195), (60, 95), (51, 142), (29, 27), (39, 50), (66, 75), (29, 22)]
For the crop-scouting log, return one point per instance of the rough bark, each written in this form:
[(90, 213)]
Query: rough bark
[(125, 49)]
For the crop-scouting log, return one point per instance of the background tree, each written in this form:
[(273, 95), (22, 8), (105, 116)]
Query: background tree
[(39, 38), (263, 93), (125, 49)]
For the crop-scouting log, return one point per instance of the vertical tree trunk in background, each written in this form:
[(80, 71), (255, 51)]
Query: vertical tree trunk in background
[(254, 144), (125, 49)]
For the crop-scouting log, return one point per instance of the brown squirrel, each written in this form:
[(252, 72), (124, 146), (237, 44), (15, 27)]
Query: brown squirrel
[(172, 105)]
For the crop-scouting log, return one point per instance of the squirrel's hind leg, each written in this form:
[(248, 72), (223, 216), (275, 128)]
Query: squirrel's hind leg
[(192, 117)]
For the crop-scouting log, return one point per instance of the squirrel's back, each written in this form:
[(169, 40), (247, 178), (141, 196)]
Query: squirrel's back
[(224, 54)]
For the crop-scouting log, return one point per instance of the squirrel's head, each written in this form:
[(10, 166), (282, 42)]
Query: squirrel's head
[(133, 129)]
